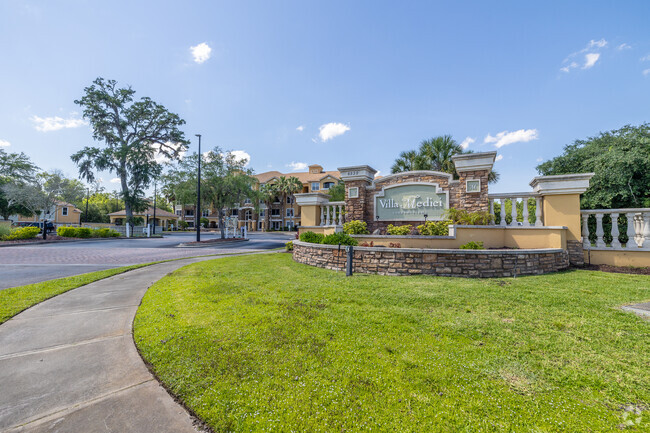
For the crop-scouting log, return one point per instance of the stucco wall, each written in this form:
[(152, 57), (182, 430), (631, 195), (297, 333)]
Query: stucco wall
[(617, 257)]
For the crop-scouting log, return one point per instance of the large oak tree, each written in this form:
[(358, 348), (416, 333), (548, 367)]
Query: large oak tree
[(132, 134)]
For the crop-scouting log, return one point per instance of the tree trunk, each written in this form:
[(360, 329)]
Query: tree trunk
[(223, 236), (127, 203)]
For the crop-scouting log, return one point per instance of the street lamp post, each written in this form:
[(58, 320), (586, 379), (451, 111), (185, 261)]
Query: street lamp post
[(155, 193), (87, 198), (197, 217)]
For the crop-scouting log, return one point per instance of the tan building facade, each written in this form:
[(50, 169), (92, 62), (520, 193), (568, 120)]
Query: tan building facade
[(62, 213)]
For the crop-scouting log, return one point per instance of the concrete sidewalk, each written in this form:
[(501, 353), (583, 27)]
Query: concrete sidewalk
[(69, 364)]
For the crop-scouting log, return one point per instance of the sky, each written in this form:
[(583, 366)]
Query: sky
[(336, 83)]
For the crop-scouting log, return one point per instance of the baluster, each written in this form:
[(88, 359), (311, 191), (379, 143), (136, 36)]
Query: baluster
[(492, 209), (599, 231), (538, 212), (631, 232), (616, 244), (328, 212), (646, 230), (322, 215), (513, 212), (525, 214), (340, 215), (586, 243), (502, 212)]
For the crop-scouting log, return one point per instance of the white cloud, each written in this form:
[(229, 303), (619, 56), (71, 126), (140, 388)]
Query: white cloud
[(201, 52), (646, 72), (115, 180), (466, 142), (4, 143), (161, 158), (540, 159), (47, 124), (498, 158), (624, 47), (297, 166), (597, 44), (378, 173), (300, 128), (504, 138), (645, 58), (241, 155), (590, 60), (331, 130)]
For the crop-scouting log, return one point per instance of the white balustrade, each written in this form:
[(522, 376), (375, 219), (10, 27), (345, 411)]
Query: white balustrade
[(331, 214), (514, 199), (637, 231)]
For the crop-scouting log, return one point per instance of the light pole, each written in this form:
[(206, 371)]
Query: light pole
[(197, 217), (155, 193), (87, 198)]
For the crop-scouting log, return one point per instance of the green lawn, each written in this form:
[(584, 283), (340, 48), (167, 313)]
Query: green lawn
[(261, 343), (17, 299)]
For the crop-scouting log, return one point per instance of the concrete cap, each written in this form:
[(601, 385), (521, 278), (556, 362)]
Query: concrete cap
[(561, 184), (357, 172), (474, 161), (311, 198)]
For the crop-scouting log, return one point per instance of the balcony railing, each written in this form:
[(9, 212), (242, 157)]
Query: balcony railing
[(616, 229), (526, 213), (331, 214)]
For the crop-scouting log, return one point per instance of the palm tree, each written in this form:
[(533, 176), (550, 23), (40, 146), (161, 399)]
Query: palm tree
[(286, 187), (268, 193), (409, 161)]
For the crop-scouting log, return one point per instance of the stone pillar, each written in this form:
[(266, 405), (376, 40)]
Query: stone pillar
[(310, 208), (357, 180), (561, 207), (473, 168)]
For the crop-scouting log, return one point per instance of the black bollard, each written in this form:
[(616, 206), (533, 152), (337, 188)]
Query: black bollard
[(348, 265), (44, 229)]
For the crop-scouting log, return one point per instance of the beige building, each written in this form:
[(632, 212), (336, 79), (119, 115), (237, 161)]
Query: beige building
[(62, 213), (163, 219)]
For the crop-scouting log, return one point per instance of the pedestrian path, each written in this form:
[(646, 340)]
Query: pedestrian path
[(69, 364)]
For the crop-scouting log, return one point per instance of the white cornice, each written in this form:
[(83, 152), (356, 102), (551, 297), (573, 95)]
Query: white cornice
[(474, 161), (561, 184)]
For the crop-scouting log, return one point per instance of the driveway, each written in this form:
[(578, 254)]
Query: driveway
[(20, 265), (69, 364)]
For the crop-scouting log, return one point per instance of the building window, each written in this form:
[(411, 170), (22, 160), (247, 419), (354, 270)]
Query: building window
[(289, 200), (262, 213), (205, 212), (179, 212), (247, 201), (353, 192), (189, 212), (275, 212), (234, 212), (328, 185), (64, 211), (290, 212), (315, 186)]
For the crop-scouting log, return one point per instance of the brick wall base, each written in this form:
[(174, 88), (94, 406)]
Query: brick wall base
[(448, 263), (576, 254)]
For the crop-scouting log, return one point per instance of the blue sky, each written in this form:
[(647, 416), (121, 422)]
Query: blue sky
[(336, 83)]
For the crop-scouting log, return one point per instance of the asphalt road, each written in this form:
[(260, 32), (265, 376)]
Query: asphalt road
[(20, 265)]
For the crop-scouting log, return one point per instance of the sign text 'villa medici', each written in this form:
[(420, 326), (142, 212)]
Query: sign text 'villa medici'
[(411, 202)]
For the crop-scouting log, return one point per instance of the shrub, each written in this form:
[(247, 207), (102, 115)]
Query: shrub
[(472, 246), (339, 238), (105, 233), (66, 232), (462, 217), (434, 228), (398, 230), (311, 237), (21, 233), (355, 227), (83, 232), (4, 231), (288, 246), (183, 225), (205, 222)]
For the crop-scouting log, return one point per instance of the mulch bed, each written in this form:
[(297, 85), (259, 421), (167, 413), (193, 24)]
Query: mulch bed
[(617, 269), (50, 238)]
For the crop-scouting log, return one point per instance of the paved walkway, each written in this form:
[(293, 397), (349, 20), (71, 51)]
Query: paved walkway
[(69, 364), (640, 309)]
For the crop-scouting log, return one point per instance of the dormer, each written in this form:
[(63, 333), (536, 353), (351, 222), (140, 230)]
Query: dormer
[(315, 169)]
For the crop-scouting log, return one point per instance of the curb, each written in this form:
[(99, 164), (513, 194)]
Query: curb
[(210, 244), (23, 244)]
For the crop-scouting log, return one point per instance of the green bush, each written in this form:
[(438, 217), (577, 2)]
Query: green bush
[(182, 225), (355, 227), (472, 246), (4, 230), (83, 232), (434, 228), (105, 233), (67, 232), (339, 238), (311, 237), (21, 233), (398, 230), (462, 217), (288, 246)]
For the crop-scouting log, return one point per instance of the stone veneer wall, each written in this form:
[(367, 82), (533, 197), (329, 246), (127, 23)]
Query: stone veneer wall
[(576, 253), (448, 263), (362, 208)]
